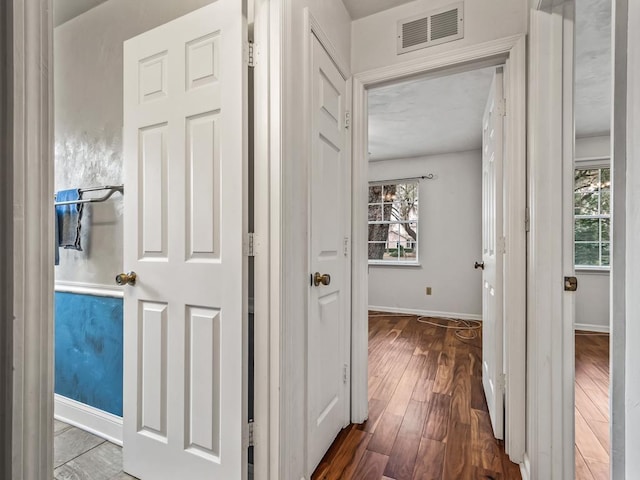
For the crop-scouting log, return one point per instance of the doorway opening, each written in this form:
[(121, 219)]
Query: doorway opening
[(159, 358), (593, 237), (430, 147)]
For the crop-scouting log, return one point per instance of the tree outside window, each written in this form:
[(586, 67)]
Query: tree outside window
[(592, 210), (393, 223)]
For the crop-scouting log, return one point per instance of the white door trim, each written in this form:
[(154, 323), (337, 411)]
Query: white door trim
[(550, 336), (32, 240), (511, 50)]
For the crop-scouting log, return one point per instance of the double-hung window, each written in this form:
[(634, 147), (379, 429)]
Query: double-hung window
[(592, 210), (393, 223)]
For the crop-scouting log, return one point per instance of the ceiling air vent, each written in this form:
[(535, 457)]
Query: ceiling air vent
[(431, 28)]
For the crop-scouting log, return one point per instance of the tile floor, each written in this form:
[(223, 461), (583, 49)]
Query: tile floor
[(79, 455)]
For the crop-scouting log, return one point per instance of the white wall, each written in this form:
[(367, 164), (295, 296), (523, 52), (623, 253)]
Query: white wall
[(374, 37), (450, 238), (88, 122), (592, 297), (593, 147), (592, 301)]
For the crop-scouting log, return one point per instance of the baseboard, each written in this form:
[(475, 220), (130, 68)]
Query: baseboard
[(427, 313), (103, 424), (525, 468), (96, 289), (591, 328)]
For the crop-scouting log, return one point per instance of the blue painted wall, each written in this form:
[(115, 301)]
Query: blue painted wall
[(88, 350)]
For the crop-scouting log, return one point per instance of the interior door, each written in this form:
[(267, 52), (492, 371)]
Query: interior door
[(185, 214), (327, 374), (492, 254)]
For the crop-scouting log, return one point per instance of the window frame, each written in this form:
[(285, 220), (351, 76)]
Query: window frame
[(416, 221), (591, 163)]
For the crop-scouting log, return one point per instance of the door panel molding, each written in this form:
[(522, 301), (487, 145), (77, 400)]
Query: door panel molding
[(509, 50)]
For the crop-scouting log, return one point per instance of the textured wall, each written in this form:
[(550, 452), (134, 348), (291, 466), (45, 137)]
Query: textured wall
[(88, 346), (88, 121), (450, 237)]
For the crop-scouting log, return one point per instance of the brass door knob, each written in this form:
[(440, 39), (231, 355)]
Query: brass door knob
[(319, 278), (479, 265), (126, 278)]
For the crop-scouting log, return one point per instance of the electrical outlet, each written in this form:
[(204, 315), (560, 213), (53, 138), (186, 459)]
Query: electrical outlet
[(428, 291)]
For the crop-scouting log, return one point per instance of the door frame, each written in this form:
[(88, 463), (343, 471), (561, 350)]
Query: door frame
[(550, 336), (512, 52), (31, 26), (30, 236)]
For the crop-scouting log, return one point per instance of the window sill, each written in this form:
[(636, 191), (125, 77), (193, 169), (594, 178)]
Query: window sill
[(394, 264), (593, 270)]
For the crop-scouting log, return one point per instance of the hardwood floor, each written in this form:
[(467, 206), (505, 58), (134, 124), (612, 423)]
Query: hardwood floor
[(428, 417), (592, 406), (79, 455)]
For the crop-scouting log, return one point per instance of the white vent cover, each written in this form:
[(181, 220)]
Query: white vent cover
[(431, 28)]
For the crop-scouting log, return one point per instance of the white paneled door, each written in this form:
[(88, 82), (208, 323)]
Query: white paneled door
[(185, 214), (493, 254), (328, 323)]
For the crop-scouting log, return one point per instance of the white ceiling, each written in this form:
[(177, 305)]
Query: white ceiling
[(65, 10), (593, 68), (431, 116), (428, 116), (363, 8)]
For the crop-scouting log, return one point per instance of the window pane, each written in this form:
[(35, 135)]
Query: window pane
[(389, 193), (605, 202), (586, 203), (587, 254), (397, 204), (375, 193), (605, 254), (605, 230), (587, 229), (605, 177), (586, 180), (375, 212)]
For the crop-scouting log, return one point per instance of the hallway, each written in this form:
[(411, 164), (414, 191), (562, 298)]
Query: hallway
[(428, 418)]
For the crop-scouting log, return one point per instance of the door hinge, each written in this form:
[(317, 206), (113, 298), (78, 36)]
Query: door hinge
[(345, 246), (501, 107), (347, 119), (250, 433), (527, 220), (250, 244), (251, 54), (345, 368)]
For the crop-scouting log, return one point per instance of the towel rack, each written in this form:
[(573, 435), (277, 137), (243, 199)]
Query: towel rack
[(111, 189)]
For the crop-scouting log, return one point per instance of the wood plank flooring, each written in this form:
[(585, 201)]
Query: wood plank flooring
[(592, 406), (79, 455), (428, 417)]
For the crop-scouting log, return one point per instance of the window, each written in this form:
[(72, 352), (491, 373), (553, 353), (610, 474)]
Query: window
[(393, 223), (592, 210)]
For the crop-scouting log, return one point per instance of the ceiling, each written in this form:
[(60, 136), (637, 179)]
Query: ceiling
[(428, 116), (65, 10), (363, 8), (593, 68), (439, 115)]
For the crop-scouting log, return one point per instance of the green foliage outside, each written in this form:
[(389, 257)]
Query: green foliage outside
[(592, 209)]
